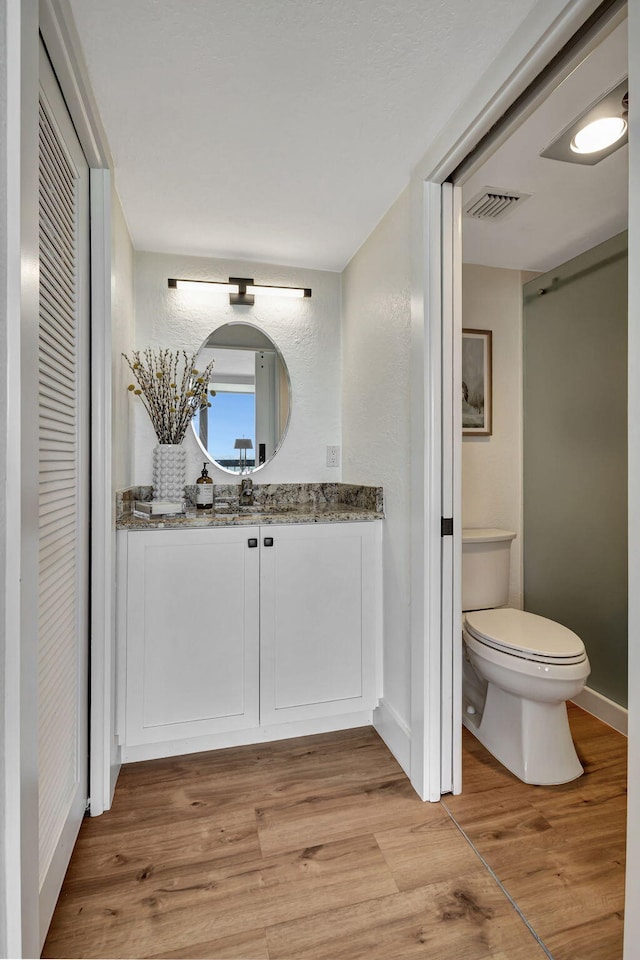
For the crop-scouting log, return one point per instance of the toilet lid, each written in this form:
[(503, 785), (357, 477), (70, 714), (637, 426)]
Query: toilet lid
[(526, 635)]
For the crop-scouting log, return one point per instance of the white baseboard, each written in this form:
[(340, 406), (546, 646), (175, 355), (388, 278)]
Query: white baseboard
[(395, 733), (603, 708), (115, 773), (237, 738)]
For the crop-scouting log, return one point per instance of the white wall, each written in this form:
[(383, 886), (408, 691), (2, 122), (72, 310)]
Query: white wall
[(376, 412), (492, 466), (122, 337), (122, 334), (307, 332)]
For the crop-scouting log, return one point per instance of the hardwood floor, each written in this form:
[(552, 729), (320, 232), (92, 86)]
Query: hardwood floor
[(558, 851), (318, 848)]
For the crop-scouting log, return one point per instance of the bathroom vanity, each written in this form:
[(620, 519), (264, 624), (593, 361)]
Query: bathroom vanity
[(249, 624)]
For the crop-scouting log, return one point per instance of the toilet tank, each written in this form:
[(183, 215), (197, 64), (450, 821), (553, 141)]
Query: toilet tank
[(485, 568)]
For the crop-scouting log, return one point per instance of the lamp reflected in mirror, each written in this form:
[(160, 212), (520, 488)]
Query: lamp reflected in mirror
[(243, 445), (246, 423)]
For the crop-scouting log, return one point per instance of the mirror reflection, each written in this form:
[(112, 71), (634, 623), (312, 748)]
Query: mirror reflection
[(249, 414)]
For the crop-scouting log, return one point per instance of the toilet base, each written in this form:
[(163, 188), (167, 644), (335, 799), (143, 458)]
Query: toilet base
[(530, 738)]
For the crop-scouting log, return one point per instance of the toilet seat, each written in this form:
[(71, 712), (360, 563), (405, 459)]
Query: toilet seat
[(517, 633)]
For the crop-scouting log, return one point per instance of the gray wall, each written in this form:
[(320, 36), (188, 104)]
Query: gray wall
[(575, 455)]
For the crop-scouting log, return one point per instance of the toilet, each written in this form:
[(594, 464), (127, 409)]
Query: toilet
[(519, 669)]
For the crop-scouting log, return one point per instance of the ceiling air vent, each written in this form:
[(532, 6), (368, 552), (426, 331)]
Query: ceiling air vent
[(492, 204)]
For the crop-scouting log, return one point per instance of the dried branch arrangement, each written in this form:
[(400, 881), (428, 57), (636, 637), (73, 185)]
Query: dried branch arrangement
[(171, 389)]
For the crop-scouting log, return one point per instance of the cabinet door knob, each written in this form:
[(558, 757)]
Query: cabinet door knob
[(268, 541), (253, 541)]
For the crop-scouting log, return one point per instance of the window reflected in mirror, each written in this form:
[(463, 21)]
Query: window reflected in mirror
[(249, 413)]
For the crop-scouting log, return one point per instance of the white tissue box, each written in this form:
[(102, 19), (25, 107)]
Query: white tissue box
[(159, 508)]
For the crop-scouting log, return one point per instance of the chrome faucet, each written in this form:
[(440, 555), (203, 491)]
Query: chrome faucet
[(246, 492)]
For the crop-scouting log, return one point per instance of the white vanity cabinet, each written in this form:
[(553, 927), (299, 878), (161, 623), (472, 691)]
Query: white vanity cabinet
[(228, 633), (191, 619), (318, 620)]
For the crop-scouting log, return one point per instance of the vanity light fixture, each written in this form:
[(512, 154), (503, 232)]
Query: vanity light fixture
[(597, 132), (242, 290)]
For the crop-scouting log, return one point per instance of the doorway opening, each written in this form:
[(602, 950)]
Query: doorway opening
[(545, 281)]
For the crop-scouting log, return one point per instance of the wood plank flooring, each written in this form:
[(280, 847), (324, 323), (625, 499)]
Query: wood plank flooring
[(318, 848), (558, 851)]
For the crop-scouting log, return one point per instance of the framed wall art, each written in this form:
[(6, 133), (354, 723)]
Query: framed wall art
[(476, 383)]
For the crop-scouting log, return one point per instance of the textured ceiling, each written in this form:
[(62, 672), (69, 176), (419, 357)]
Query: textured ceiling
[(277, 130), (572, 207)]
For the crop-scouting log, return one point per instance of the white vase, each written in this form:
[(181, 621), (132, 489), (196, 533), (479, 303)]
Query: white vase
[(169, 471)]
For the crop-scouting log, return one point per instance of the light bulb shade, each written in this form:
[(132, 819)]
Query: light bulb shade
[(596, 133), (207, 286), (599, 134), (264, 291), (243, 444)]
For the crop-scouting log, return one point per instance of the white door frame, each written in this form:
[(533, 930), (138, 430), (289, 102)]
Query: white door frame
[(451, 494), (436, 572), (103, 759), (426, 486)]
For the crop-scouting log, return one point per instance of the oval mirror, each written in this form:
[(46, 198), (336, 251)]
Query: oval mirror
[(249, 414)]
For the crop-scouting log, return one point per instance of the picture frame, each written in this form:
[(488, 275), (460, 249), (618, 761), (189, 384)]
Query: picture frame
[(477, 407)]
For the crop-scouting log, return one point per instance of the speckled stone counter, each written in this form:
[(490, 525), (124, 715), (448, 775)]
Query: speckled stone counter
[(272, 503)]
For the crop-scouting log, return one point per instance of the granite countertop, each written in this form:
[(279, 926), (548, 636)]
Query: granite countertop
[(273, 503)]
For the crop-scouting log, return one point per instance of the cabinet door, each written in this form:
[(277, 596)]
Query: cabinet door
[(192, 633), (319, 620)]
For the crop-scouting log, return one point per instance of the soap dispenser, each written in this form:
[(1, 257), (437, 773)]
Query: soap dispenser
[(204, 490)]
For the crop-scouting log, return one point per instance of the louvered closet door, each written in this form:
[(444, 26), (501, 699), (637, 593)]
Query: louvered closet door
[(63, 489)]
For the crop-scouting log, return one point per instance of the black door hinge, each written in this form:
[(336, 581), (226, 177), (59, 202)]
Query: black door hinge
[(446, 526)]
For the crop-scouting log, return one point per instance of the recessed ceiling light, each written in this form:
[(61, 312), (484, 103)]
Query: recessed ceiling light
[(597, 132), (598, 135)]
